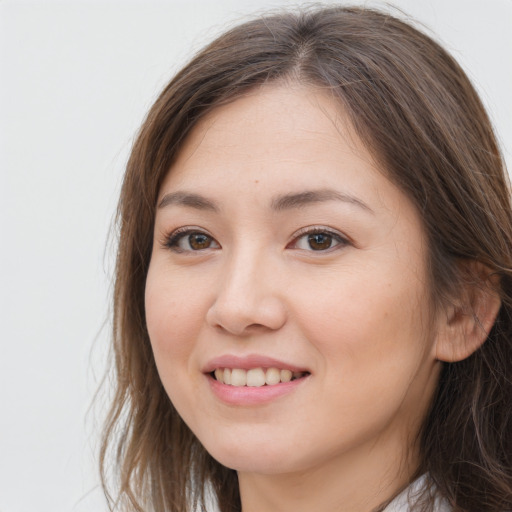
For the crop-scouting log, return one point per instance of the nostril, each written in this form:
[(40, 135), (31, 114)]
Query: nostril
[(256, 327)]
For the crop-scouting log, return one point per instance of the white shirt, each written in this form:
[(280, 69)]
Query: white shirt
[(402, 503)]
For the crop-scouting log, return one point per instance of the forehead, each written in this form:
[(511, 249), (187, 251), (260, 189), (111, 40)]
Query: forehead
[(284, 139)]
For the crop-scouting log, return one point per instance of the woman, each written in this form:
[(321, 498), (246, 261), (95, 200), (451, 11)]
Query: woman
[(312, 301)]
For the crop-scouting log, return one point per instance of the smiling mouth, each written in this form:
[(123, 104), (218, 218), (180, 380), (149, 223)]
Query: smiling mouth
[(255, 377)]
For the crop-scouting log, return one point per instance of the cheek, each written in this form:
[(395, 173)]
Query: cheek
[(173, 318), (367, 320), (373, 351), (173, 313)]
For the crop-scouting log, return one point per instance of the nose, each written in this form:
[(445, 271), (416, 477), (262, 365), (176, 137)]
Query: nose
[(248, 297)]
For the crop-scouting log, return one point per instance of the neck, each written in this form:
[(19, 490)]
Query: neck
[(359, 482)]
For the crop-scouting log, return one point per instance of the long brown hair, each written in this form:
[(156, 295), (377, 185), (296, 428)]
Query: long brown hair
[(417, 113)]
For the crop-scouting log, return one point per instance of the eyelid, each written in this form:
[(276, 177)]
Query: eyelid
[(310, 230), (171, 239)]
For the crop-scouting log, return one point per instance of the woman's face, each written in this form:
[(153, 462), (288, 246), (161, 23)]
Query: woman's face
[(281, 251)]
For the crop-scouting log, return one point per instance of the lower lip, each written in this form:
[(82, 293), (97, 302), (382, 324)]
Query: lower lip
[(248, 395)]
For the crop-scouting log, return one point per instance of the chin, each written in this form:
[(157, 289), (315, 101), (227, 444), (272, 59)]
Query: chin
[(261, 458), (258, 464)]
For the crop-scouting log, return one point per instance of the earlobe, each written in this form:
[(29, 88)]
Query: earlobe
[(468, 321)]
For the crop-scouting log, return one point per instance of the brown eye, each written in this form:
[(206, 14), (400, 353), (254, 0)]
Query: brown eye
[(198, 241), (320, 241), (191, 241)]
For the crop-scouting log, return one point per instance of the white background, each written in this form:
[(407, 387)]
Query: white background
[(76, 78)]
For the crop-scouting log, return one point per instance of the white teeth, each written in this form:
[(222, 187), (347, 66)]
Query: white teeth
[(255, 377), (273, 376), (238, 377), (286, 375)]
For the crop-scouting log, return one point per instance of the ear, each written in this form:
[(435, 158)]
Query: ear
[(468, 320)]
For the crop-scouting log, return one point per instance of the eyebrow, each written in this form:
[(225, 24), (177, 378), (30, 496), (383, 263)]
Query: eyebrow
[(188, 199), (290, 201), (279, 203)]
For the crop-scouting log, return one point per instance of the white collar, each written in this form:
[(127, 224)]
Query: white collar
[(402, 503)]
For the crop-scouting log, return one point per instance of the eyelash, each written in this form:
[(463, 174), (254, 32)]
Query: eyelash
[(320, 230), (173, 239)]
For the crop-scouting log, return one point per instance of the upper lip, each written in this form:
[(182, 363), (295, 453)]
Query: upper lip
[(248, 362)]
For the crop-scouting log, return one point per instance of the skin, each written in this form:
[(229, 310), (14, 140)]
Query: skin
[(356, 315)]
